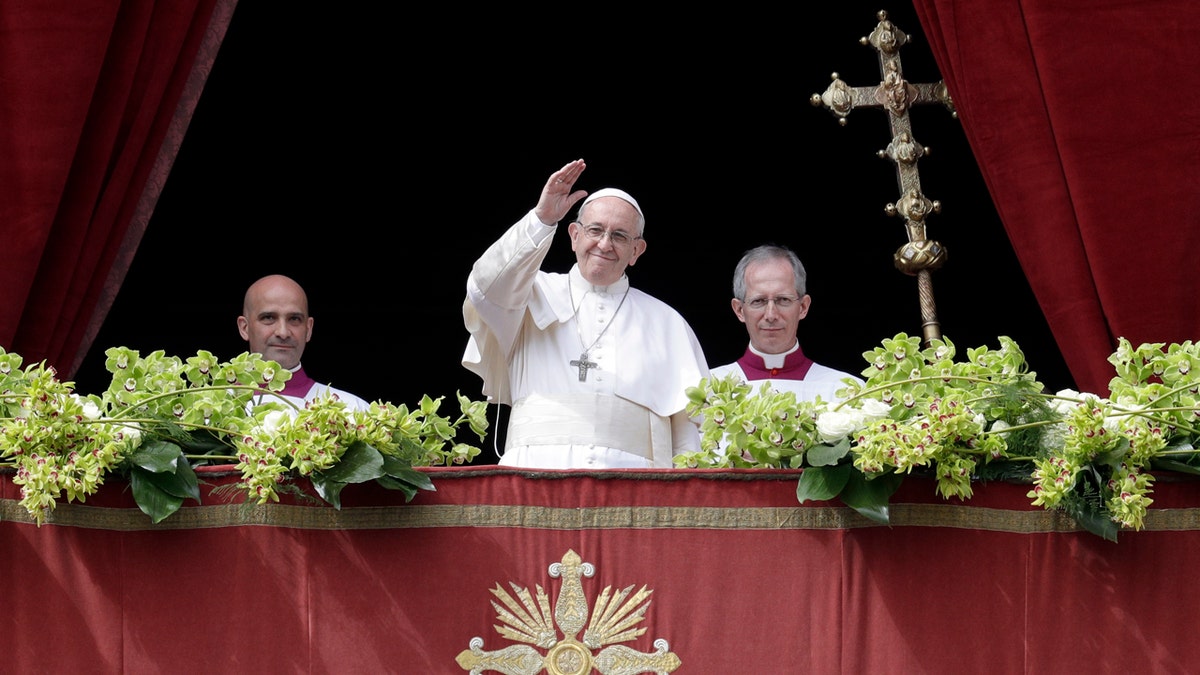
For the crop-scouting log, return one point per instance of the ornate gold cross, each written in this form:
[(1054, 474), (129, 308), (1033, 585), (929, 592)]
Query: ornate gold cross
[(920, 256)]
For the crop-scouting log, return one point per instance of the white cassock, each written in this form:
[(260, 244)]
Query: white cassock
[(621, 407), (791, 371)]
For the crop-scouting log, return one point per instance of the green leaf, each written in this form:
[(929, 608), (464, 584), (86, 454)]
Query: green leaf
[(870, 497), (1010, 471), (397, 469), (822, 484), (1097, 522), (359, 464), (1086, 504), (394, 484), (828, 455), (1175, 465), (157, 456), (182, 483), (330, 490), (414, 450), (150, 498), (1113, 456), (173, 432), (203, 442)]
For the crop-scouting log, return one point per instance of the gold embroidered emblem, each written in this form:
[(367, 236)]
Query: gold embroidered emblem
[(527, 619)]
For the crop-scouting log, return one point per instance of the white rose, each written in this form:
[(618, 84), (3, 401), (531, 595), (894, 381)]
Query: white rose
[(133, 434), (90, 409), (274, 420), (1117, 419), (1053, 437), (834, 426), (874, 410), (1065, 407)]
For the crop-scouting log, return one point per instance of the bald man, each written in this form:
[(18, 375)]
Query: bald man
[(276, 323)]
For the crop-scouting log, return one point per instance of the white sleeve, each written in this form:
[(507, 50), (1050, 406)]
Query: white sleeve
[(498, 291)]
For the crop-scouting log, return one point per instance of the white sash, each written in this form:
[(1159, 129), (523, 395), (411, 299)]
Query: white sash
[(591, 419)]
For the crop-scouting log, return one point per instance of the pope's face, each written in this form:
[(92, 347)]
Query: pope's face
[(772, 327), (276, 321), (601, 261)]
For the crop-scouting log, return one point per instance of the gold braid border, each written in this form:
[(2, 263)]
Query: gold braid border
[(597, 518)]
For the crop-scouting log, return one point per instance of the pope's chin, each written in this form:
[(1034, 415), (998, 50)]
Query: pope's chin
[(595, 267)]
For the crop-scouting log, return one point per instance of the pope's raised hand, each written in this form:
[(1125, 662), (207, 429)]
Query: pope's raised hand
[(559, 195)]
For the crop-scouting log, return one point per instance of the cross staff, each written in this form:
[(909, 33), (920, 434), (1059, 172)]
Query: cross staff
[(919, 256)]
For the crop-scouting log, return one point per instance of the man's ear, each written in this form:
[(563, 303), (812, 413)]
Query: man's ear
[(243, 328), (308, 332), (805, 303), (738, 309), (572, 231), (639, 247)]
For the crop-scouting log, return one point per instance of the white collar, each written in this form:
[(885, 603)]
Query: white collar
[(775, 360), (577, 281)]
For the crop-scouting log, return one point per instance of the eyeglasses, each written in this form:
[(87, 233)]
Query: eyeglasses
[(617, 237), (781, 302)]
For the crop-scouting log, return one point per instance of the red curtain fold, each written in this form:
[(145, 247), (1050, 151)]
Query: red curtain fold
[(96, 96), (1084, 118)]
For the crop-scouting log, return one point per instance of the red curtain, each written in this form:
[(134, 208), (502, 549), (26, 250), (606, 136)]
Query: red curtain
[(1084, 117), (96, 96)]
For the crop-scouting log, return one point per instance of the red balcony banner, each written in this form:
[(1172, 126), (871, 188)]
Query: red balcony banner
[(519, 571)]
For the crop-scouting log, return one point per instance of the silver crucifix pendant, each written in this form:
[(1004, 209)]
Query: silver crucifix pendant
[(584, 364)]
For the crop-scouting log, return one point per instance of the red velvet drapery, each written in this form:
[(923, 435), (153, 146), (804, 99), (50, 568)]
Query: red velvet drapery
[(96, 96), (1084, 117)]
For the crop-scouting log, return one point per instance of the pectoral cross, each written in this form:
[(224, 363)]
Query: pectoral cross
[(919, 256), (584, 364)]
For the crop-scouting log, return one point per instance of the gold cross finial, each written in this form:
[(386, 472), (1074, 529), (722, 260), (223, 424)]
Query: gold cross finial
[(920, 256)]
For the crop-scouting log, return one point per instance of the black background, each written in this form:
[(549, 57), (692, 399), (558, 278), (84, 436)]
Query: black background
[(374, 157)]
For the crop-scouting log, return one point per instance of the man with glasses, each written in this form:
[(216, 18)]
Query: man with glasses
[(595, 371), (769, 297)]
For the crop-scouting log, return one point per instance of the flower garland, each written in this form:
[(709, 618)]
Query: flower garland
[(961, 421), (161, 416), (920, 410)]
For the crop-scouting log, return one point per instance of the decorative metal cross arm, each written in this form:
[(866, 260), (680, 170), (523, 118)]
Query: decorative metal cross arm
[(920, 255)]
